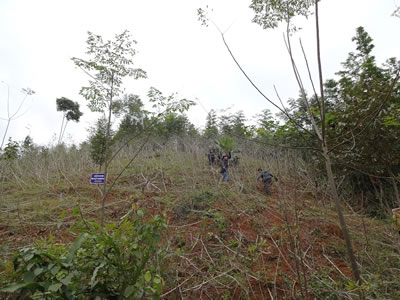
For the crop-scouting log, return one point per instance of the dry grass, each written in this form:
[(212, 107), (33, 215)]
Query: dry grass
[(224, 240)]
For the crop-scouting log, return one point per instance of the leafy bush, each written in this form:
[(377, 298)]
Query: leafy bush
[(121, 262)]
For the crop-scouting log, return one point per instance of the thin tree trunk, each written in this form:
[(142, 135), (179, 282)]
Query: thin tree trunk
[(335, 195), (8, 115), (5, 133), (61, 130), (328, 164), (321, 82), (65, 126), (106, 145)]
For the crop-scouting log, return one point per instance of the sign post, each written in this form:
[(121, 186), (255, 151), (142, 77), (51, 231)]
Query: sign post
[(97, 178)]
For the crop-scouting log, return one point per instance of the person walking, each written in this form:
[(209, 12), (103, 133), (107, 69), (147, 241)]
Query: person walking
[(224, 161), (266, 178), (211, 157)]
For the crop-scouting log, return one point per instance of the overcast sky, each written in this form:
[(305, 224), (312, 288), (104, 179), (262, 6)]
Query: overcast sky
[(38, 39)]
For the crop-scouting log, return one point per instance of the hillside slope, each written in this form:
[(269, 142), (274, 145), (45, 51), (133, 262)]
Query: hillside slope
[(224, 240)]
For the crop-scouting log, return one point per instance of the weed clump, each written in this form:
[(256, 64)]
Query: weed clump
[(196, 203)]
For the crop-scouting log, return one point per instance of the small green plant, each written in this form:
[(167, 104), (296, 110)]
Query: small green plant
[(120, 262), (219, 220), (202, 200), (259, 245)]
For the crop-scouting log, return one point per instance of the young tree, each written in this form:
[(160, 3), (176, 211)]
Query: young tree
[(211, 130), (108, 64), (268, 14), (17, 113), (27, 145), (171, 124), (71, 112), (366, 111), (97, 142), (225, 122), (169, 119), (11, 151), (134, 117), (239, 129), (266, 124)]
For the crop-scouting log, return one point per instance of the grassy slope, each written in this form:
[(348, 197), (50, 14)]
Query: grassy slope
[(225, 240)]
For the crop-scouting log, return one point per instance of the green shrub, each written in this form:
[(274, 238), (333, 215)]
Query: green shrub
[(121, 262)]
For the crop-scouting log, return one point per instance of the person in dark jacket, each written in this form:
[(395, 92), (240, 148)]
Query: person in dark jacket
[(224, 161), (211, 157), (266, 178)]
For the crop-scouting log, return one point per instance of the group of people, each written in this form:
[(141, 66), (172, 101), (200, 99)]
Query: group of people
[(223, 160)]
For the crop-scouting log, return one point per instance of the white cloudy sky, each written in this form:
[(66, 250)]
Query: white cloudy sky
[(38, 38)]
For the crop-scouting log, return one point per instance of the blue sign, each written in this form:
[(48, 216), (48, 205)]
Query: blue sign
[(97, 178)]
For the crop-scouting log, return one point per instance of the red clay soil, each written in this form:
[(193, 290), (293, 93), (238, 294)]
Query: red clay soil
[(193, 231), (28, 235)]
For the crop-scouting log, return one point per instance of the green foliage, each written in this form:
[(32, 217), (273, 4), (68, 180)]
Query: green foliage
[(257, 246), (70, 109), (266, 121), (97, 142), (134, 117), (110, 62), (290, 133), (267, 127), (219, 221), (269, 13), (11, 151), (211, 130), (169, 120), (27, 146), (362, 122), (171, 124), (239, 129), (169, 104), (120, 262), (225, 124), (365, 114), (199, 201), (203, 199), (373, 287), (226, 143), (71, 112)]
